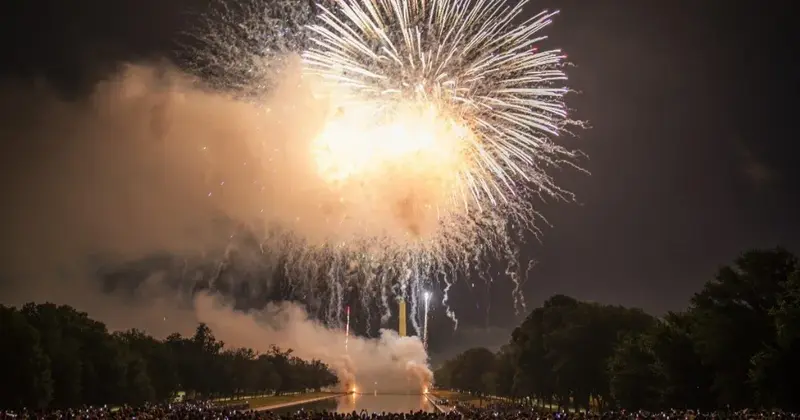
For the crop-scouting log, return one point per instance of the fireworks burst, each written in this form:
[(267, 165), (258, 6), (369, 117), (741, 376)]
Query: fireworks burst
[(468, 60), (442, 116)]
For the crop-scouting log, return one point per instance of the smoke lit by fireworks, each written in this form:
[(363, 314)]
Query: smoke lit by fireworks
[(442, 115)]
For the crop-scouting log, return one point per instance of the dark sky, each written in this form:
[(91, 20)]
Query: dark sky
[(691, 149)]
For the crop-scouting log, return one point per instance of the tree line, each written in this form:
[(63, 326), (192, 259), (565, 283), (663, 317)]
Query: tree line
[(736, 345), (57, 357)]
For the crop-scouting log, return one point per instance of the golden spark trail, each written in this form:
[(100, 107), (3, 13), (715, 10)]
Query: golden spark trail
[(468, 60)]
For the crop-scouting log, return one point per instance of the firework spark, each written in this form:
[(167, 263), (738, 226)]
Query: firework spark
[(242, 46), (468, 60), (437, 141)]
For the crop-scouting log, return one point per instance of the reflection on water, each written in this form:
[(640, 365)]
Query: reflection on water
[(372, 403), (390, 403), (329, 404)]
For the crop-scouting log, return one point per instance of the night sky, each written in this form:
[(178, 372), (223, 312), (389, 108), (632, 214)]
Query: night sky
[(691, 148)]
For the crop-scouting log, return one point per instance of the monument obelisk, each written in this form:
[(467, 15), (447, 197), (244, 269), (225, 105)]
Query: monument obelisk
[(401, 328)]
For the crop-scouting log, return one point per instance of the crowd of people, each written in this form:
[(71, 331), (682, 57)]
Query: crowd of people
[(509, 410), (495, 411), (208, 411)]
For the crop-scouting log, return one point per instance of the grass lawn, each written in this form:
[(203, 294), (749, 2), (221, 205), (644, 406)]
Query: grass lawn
[(475, 401), (267, 401), (461, 398)]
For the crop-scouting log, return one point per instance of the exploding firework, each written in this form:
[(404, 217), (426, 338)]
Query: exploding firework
[(242, 46), (468, 65), (435, 144)]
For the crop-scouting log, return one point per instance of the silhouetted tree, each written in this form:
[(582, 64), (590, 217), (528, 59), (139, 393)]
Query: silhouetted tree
[(26, 379), (734, 320), (737, 345), (685, 381), (775, 370), (634, 382), (473, 369), (55, 356), (443, 376)]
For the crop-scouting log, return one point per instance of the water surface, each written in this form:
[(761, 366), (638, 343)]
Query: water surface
[(372, 403)]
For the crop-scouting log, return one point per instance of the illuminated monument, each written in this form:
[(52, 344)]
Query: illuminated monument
[(401, 328)]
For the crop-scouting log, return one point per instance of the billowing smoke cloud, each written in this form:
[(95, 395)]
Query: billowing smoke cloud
[(151, 163), (121, 173), (387, 364)]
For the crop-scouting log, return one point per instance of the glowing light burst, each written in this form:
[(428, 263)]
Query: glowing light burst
[(469, 60), (448, 104), (359, 142)]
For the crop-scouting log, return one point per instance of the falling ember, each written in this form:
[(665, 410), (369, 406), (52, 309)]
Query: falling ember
[(347, 329), (427, 296)]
